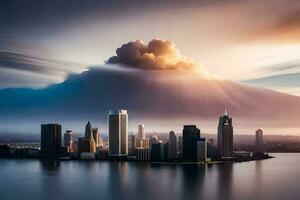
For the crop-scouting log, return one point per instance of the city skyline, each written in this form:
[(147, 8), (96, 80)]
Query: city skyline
[(139, 99)]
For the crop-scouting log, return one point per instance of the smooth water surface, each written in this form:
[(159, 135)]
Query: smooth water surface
[(274, 179)]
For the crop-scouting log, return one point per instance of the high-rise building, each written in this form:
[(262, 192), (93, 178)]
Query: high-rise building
[(118, 133), (68, 140), (166, 151), (259, 142), (88, 130), (131, 144), (89, 136), (157, 152), (141, 137), (180, 143), (202, 150), (86, 145), (141, 132), (153, 139), (96, 137), (190, 135), (173, 147), (225, 136), (51, 140)]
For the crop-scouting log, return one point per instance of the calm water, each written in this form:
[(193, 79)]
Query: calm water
[(277, 178)]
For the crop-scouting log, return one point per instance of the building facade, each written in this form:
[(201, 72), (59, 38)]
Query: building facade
[(202, 150), (225, 136), (190, 136), (86, 145), (157, 152), (118, 133), (68, 140), (141, 132), (88, 130), (143, 154), (173, 146), (259, 142), (131, 144), (51, 140), (97, 138), (153, 139)]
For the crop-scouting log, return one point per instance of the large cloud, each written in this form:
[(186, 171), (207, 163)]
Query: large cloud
[(157, 54)]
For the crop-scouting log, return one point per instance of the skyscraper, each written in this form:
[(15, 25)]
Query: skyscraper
[(202, 150), (88, 130), (68, 140), (50, 140), (96, 137), (225, 136), (118, 133), (131, 144), (153, 139), (191, 134), (180, 148), (259, 142), (89, 143), (141, 140), (86, 145), (141, 132), (157, 151), (173, 147)]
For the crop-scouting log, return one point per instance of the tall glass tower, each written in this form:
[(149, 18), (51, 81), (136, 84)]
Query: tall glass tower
[(118, 133)]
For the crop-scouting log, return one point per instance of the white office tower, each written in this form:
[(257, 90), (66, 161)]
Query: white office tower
[(118, 133)]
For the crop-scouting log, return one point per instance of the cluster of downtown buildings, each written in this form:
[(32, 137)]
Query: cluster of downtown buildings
[(190, 147)]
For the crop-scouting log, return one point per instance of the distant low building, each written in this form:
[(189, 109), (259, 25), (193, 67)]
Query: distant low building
[(4, 150), (102, 154), (87, 156)]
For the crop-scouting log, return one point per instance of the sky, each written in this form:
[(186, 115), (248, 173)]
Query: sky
[(252, 42), (255, 42)]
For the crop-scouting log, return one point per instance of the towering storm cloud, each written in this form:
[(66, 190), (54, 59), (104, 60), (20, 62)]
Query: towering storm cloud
[(155, 55)]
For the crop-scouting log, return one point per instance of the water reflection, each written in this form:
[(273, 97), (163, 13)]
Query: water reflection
[(224, 186), (192, 181), (117, 180), (48, 179), (50, 165)]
